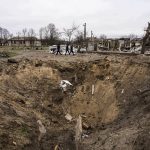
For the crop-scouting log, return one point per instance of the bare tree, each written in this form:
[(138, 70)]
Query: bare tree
[(1, 32), (24, 31), (46, 33), (53, 33), (49, 34), (103, 36), (5, 33), (132, 36), (18, 34), (79, 37), (52, 30), (41, 33), (11, 36), (31, 33), (70, 32)]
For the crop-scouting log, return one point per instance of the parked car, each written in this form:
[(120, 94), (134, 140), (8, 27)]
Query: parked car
[(52, 49)]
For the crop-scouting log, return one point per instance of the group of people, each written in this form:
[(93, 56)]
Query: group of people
[(69, 49)]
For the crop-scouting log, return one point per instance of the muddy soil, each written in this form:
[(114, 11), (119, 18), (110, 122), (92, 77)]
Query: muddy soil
[(115, 117)]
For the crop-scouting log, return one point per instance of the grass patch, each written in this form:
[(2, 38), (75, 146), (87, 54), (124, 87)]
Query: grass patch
[(7, 54), (24, 130)]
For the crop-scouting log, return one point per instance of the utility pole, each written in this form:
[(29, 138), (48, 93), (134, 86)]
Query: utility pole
[(84, 31), (92, 41)]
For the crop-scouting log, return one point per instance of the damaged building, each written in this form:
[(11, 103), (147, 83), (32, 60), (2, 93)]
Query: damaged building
[(112, 44), (146, 40), (24, 41)]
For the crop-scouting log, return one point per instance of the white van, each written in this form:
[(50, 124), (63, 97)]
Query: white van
[(52, 49)]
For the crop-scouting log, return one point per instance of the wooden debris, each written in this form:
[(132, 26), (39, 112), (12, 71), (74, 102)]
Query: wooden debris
[(78, 132), (76, 78), (93, 88), (57, 147), (14, 143), (122, 91), (68, 117), (78, 129), (85, 126), (41, 129)]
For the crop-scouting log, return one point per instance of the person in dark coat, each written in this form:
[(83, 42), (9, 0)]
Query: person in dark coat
[(67, 49), (71, 50), (58, 50)]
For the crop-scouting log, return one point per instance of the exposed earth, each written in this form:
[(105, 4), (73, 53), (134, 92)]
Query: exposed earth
[(115, 117)]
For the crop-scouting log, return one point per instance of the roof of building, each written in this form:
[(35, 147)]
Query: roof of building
[(23, 39)]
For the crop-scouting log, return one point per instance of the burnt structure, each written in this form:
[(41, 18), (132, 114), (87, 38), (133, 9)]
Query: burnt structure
[(146, 40)]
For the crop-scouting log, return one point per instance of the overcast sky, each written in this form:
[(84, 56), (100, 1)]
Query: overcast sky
[(110, 17)]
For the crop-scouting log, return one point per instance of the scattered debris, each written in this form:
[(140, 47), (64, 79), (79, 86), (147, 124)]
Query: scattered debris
[(68, 117), (64, 84), (38, 63), (93, 88), (83, 116), (78, 129), (107, 78), (122, 91), (78, 132), (84, 136), (85, 126), (41, 129), (57, 147), (14, 143), (138, 91)]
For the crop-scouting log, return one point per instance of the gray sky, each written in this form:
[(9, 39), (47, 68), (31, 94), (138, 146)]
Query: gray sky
[(110, 17)]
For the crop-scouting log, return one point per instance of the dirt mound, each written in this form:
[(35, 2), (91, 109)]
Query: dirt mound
[(115, 114)]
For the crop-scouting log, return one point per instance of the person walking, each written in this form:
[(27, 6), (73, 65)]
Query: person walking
[(58, 50), (71, 49), (67, 49)]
